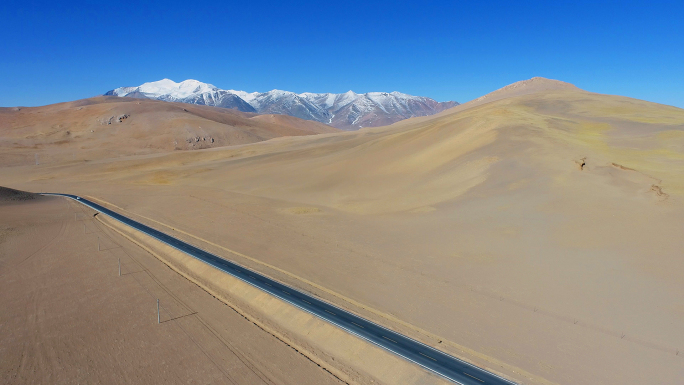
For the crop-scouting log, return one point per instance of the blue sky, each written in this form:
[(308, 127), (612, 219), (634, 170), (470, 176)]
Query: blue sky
[(55, 51)]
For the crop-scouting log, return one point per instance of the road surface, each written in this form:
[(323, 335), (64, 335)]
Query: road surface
[(429, 358)]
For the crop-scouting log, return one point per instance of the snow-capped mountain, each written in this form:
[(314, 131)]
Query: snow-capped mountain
[(188, 91), (348, 111)]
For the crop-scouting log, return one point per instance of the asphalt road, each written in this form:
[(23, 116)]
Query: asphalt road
[(429, 358)]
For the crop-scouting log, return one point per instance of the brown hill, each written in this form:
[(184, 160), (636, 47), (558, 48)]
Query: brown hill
[(523, 87), (111, 126), (12, 195), (543, 129)]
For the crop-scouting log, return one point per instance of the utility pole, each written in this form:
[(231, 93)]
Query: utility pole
[(119, 267), (158, 318), (37, 159)]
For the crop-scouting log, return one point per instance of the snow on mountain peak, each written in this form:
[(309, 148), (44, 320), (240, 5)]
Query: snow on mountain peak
[(169, 88), (348, 110)]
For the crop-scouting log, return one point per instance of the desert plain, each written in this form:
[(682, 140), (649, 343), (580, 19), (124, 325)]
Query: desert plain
[(535, 231), (69, 317)]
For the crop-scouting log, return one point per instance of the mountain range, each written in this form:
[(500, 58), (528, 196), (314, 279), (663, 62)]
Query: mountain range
[(347, 111)]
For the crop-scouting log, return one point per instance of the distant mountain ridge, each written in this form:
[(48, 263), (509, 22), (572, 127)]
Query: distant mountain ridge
[(347, 111)]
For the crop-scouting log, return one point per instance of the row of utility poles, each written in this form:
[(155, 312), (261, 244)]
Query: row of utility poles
[(99, 248)]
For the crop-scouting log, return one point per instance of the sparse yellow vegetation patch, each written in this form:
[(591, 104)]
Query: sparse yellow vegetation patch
[(301, 210), (424, 209), (671, 135), (161, 177)]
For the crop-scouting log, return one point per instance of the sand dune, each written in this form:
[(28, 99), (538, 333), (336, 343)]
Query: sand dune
[(536, 230)]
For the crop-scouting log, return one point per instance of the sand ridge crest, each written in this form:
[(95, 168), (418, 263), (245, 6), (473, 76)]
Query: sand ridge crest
[(523, 87)]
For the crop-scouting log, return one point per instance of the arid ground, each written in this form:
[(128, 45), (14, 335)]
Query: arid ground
[(536, 231), (68, 317)]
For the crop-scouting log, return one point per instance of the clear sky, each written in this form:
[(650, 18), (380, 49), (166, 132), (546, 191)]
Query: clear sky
[(53, 51)]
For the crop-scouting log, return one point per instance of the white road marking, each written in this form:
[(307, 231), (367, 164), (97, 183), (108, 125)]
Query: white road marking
[(389, 339), (473, 377), (425, 355)]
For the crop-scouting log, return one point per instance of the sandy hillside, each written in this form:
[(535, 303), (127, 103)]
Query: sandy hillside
[(68, 317), (109, 126), (536, 231)]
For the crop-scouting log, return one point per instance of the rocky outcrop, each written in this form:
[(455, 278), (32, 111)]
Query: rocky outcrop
[(111, 119)]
